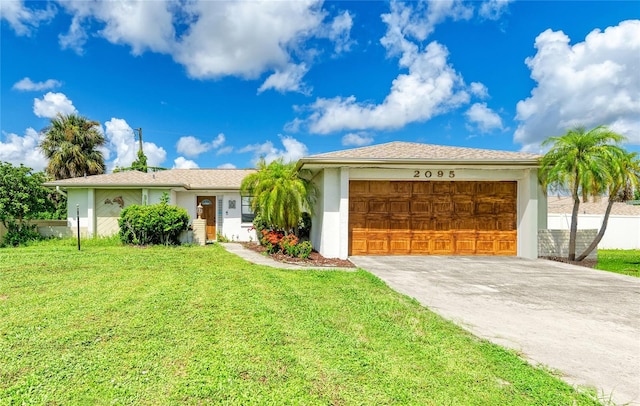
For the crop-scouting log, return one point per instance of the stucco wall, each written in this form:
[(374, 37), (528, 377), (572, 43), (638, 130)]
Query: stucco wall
[(623, 232), (555, 243)]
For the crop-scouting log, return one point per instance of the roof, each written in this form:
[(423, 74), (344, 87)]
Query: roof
[(564, 205), (411, 152), (185, 178)]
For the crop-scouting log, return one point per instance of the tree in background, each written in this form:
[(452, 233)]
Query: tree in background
[(281, 194), (22, 197), (586, 163), (71, 145)]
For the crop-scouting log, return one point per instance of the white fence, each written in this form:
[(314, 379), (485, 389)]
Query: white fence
[(623, 232)]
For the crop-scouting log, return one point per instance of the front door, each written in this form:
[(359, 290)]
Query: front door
[(209, 213)]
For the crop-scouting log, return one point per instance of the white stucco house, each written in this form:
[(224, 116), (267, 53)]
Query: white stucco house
[(398, 198), (101, 198)]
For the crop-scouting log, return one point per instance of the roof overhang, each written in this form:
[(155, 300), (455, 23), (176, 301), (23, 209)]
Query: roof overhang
[(318, 163)]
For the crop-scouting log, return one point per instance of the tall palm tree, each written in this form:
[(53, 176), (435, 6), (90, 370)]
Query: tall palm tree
[(625, 177), (585, 163), (70, 144), (280, 193)]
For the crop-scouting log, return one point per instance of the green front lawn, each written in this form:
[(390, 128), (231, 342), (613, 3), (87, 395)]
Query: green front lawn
[(197, 325), (626, 262)]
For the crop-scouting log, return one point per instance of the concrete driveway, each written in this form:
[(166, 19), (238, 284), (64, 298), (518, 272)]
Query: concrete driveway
[(582, 323)]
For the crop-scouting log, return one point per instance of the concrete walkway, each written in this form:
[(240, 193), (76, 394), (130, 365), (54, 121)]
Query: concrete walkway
[(582, 323)]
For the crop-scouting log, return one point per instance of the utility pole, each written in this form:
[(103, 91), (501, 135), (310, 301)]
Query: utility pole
[(139, 130)]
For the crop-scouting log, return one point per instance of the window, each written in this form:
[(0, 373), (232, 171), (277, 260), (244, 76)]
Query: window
[(247, 213)]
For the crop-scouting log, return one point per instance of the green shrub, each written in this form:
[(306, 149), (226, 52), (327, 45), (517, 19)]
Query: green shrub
[(20, 234), (153, 224), (289, 245), (304, 249)]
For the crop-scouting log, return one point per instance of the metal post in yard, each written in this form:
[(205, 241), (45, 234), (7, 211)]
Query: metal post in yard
[(78, 223)]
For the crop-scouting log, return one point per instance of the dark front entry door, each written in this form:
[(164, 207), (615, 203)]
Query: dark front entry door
[(209, 213)]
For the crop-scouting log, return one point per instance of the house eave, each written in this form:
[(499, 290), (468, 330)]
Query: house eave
[(414, 162)]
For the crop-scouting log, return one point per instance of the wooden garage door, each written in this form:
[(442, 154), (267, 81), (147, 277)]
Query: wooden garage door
[(432, 218)]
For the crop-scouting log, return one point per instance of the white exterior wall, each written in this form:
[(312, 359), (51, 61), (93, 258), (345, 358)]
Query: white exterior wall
[(80, 197), (528, 214), (327, 237), (330, 226), (623, 232)]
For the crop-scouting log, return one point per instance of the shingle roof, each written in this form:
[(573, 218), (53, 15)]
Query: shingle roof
[(415, 151), (187, 178), (564, 205)]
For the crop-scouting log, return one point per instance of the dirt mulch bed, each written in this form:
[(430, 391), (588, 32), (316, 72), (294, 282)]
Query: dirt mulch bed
[(314, 260), (587, 263)]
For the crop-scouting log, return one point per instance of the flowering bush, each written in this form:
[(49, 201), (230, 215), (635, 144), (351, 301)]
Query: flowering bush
[(289, 245)]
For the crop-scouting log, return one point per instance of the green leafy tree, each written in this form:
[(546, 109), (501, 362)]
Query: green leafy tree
[(22, 197), (71, 145), (140, 164), (624, 178), (586, 163), (281, 194)]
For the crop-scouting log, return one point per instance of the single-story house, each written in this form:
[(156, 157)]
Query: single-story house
[(101, 198), (623, 226), (396, 198)]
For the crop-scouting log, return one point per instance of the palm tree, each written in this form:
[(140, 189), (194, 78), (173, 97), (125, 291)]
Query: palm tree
[(281, 194), (625, 176), (585, 163), (70, 144)]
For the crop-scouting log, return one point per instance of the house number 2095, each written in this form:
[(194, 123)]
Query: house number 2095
[(430, 174)]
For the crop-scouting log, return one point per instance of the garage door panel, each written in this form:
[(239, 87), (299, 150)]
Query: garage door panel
[(432, 218), (420, 207), (441, 188), (379, 206), (465, 243), (400, 206)]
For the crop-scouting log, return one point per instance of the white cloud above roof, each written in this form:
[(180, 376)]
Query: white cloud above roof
[(183, 163), (23, 150), (483, 117), (357, 139), (51, 104), (590, 83), (27, 85), (24, 20), (193, 147), (292, 150), (122, 140)]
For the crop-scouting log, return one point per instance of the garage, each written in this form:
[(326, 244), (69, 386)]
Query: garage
[(432, 217)]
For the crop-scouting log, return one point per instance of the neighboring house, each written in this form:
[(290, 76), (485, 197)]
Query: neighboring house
[(390, 199), (623, 227), (406, 198), (101, 198)]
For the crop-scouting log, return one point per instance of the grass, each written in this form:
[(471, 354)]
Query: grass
[(192, 325), (626, 262)]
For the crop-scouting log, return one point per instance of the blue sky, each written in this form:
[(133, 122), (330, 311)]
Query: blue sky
[(219, 84)]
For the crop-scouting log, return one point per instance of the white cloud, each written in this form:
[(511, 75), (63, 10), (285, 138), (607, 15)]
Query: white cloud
[(182, 163), (357, 139), (590, 83), (288, 79), (21, 19), (143, 25), (483, 117), (418, 20), (244, 38), (430, 88), (493, 9), (224, 150), (339, 32), (27, 85), (227, 166), (23, 150), (51, 104), (292, 151), (479, 90), (121, 138), (192, 147)]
